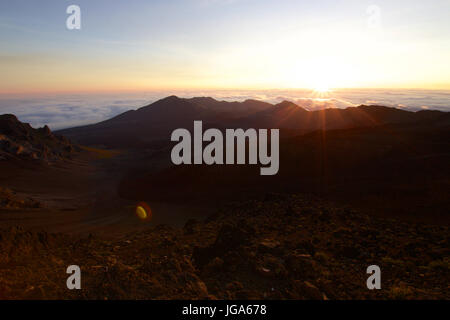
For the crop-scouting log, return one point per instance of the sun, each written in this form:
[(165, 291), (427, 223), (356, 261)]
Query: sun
[(319, 77), (321, 89)]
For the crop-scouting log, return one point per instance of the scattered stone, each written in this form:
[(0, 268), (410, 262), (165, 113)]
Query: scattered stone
[(191, 226), (251, 252), (301, 265)]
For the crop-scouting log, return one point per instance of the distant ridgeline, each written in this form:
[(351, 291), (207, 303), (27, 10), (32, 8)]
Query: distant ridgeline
[(152, 125)]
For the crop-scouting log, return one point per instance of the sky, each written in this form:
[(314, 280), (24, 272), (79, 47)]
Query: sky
[(139, 45)]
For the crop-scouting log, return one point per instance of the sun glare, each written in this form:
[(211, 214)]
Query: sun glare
[(321, 89)]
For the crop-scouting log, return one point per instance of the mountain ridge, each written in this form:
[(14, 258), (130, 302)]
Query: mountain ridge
[(157, 120)]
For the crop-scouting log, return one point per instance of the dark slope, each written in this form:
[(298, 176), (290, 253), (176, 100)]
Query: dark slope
[(393, 170), (154, 123), (287, 115)]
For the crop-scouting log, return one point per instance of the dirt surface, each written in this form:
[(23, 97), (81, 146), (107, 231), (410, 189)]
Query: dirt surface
[(284, 247), (79, 195)]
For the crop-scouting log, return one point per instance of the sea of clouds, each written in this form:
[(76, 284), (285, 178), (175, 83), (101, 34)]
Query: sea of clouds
[(62, 111)]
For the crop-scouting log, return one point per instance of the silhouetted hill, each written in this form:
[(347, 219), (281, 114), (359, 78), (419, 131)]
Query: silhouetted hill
[(287, 115), (154, 123)]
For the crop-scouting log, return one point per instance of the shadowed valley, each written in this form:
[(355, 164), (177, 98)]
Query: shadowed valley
[(356, 186)]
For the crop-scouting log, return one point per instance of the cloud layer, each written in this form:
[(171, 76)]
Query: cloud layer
[(62, 111)]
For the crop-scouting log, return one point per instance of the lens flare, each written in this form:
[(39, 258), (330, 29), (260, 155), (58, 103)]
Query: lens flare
[(143, 211)]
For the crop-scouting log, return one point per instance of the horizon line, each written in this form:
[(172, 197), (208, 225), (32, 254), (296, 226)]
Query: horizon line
[(218, 89)]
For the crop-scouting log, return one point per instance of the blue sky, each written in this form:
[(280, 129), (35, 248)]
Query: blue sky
[(142, 45)]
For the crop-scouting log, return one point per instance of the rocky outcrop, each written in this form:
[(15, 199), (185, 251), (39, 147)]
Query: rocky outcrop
[(10, 200), (20, 141)]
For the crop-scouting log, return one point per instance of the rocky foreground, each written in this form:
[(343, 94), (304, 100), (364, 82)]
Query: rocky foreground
[(282, 247), (10, 200)]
